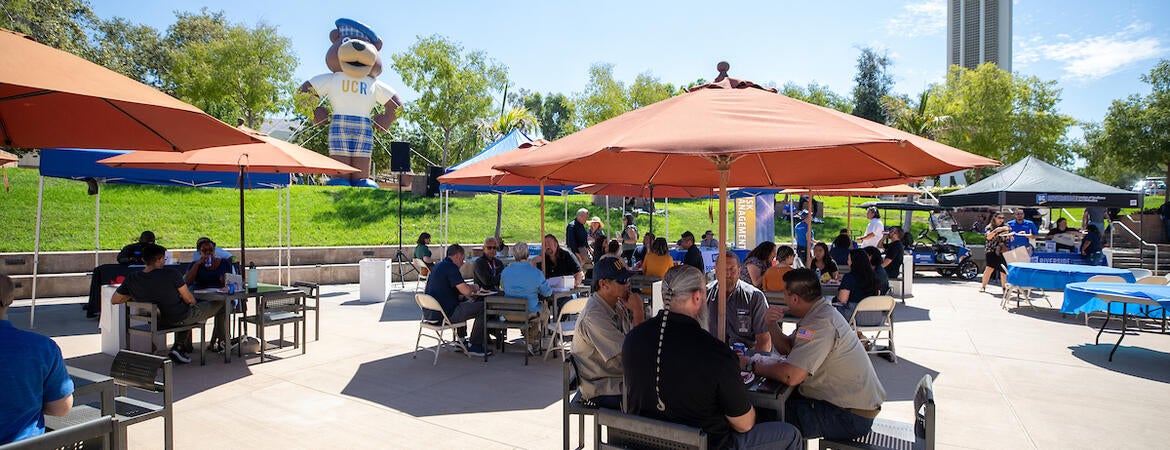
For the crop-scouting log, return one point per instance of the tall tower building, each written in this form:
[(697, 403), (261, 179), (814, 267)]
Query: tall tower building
[(979, 31)]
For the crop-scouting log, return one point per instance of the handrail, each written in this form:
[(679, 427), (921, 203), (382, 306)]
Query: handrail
[(1135, 236), (1070, 215)]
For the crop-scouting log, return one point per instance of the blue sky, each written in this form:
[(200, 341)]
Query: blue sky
[(1096, 50)]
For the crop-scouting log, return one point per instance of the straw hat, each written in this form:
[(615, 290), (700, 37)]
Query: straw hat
[(596, 219)]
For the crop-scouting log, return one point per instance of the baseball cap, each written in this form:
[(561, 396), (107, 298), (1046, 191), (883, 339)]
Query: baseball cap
[(610, 268)]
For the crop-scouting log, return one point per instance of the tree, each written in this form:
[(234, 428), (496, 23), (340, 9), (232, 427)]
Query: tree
[(554, 113), (1001, 116), (873, 82), (454, 91), (517, 118), (914, 118), (1137, 129), (61, 24), (605, 97), (133, 50), (818, 94), (247, 73)]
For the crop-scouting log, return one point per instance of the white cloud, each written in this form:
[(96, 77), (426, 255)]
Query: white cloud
[(926, 18), (1092, 57)]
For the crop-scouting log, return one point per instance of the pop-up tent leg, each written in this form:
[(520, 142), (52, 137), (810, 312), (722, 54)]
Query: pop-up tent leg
[(36, 253)]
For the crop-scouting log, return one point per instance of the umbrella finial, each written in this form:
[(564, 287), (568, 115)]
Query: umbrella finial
[(722, 67)]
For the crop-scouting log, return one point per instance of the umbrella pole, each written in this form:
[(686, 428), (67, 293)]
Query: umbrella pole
[(540, 239), (97, 226), (243, 257), (812, 208), (607, 218), (720, 261), (651, 208), (667, 200), (280, 236), (566, 198), (36, 252), (849, 214)]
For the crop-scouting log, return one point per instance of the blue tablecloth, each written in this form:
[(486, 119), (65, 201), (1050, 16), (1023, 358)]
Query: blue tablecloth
[(1082, 298), (1057, 276)]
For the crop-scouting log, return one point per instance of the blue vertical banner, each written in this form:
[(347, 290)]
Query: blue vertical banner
[(765, 218)]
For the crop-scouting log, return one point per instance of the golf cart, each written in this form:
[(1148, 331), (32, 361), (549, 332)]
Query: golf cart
[(940, 247)]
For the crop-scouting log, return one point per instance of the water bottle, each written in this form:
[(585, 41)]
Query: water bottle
[(207, 263), (253, 277)]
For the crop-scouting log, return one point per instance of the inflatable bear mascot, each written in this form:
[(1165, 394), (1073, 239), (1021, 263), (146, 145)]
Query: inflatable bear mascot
[(353, 92)]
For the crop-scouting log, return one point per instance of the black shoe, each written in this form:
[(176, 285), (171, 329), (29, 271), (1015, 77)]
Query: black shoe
[(179, 357), (89, 315)]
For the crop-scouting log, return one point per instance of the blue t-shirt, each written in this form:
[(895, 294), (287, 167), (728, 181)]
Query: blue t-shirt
[(1025, 226), (801, 238), (523, 280), (32, 373), (1094, 240), (441, 284)]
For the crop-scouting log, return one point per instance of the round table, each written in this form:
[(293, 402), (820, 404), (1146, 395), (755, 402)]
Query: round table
[(1123, 299), (1057, 276)]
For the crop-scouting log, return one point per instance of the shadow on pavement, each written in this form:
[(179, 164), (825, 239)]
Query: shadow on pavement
[(906, 313), (400, 307), (190, 379), (901, 379), (457, 384), (55, 320), (1136, 361)]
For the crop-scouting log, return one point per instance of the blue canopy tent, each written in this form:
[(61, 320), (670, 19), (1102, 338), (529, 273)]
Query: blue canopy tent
[(82, 165)]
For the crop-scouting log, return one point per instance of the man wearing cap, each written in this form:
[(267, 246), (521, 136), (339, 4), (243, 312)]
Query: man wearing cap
[(694, 257), (746, 307), (132, 254), (576, 237), (677, 372), (839, 393), (709, 240), (609, 314), (804, 235)]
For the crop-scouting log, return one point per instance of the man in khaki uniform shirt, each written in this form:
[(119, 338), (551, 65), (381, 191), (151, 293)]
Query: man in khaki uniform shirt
[(609, 314), (839, 393)]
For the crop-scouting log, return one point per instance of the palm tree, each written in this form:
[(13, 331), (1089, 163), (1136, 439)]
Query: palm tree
[(915, 119), (517, 118)]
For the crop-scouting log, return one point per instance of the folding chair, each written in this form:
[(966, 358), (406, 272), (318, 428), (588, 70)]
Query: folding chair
[(562, 328), (423, 272), (573, 403), (883, 304), (313, 291), (1102, 279), (888, 434), (428, 303), (627, 431), (513, 313), (1022, 293)]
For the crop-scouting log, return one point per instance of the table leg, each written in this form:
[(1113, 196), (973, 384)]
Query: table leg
[(108, 400), (226, 328), (1108, 315), (1119, 338)]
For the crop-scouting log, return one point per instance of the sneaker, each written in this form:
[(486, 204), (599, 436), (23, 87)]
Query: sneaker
[(478, 350), (179, 357)]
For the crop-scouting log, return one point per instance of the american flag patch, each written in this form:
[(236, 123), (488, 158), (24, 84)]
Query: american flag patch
[(805, 334)]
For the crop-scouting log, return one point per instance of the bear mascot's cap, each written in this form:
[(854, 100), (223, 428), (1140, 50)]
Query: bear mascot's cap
[(349, 28)]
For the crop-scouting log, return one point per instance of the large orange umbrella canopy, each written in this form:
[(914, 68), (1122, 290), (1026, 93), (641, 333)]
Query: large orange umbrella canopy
[(271, 155), (644, 191), (765, 139), (50, 98), (897, 189)]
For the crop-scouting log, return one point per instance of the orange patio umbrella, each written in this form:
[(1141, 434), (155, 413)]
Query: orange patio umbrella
[(269, 155), (735, 133), (51, 98)]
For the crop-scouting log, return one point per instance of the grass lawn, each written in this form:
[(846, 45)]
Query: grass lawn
[(326, 216)]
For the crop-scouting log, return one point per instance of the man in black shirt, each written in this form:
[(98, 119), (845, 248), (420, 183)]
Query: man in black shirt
[(165, 288), (694, 257), (132, 254), (556, 262), (892, 262), (576, 238), (677, 372)]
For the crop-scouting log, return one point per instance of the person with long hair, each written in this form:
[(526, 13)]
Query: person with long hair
[(422, 252), (757, 262), (875, 260), (821, 261), (842, 244), (657, 260), (860, 282), (997, 234), (773, 279)]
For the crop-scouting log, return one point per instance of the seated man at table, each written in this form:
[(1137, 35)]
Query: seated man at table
[(1023, 228), (446, 285), (132, 254), (35, 380), (219, 252), (839, 393), (745, 308), (488, 266), (892, 261), (208, 270), (677, 372), (523, 280), (694, 257), (609, 314), (165, 288), (556, 262)]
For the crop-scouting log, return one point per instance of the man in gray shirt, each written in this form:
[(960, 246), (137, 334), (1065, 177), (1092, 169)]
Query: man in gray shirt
[(609, 314), (746, 307)]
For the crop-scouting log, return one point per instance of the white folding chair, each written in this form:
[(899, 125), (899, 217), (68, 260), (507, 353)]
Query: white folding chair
[(883, 304), (562, 329), (1022, 293), (1139, 273), (1157, 280), (422, 271), (428, 303), (1102, 279)]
